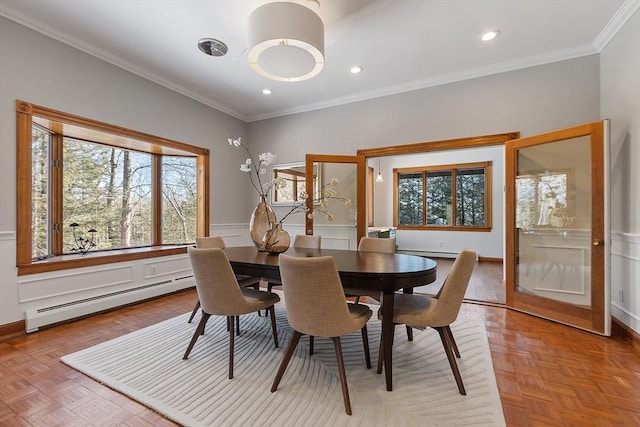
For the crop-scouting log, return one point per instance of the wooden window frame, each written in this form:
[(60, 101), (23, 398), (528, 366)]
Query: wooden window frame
[(64, 124), (453, 168)]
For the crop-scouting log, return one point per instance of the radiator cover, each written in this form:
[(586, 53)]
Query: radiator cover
[(44, 316)]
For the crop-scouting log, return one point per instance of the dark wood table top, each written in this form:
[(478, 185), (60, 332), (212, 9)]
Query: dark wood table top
[(386, 273), (381, 271)]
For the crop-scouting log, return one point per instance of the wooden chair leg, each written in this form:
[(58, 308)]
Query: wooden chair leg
[(231, 350), (237, 325), (381, 350), (409, 333), (195, 310), (452, 360), (269, 288), (452, 341), (343, 375), (311, 345), (274, 330), (285, 360), (196, 334), (365, 343)]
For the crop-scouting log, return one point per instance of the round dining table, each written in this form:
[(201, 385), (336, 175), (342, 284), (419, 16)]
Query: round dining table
[(383, 272)]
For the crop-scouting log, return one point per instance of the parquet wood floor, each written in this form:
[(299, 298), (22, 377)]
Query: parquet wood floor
[(547, 374)]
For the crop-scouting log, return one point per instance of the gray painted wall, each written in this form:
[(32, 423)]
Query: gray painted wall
[(43, 71), (620, 94), (532, 100)]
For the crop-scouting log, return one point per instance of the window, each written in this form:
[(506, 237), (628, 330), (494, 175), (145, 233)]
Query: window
[(444, 197), (133, 195)]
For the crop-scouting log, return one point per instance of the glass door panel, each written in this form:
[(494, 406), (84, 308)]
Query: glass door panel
[(557, 226), (553, 216), (346, 201)]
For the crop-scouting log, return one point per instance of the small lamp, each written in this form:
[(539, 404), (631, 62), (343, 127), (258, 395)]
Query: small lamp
[(379, 177)]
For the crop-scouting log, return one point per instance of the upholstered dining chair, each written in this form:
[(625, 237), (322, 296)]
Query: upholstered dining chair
[(219, 294), (374, 244), (369, 244), (316, 306), (299, 241), (438, 312), (244, 281)]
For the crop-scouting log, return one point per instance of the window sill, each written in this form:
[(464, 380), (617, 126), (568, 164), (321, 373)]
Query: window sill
[(66, 262)]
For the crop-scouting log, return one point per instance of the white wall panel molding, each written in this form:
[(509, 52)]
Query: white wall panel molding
[(625, 271), (48, 285), (177, 265), (7, 235)]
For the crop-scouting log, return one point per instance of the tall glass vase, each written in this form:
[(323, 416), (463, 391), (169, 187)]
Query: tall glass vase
[(276, 240), (261, 219)]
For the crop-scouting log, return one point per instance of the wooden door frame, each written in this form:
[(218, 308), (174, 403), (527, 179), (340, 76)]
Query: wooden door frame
[(361, 188), (593, 319)]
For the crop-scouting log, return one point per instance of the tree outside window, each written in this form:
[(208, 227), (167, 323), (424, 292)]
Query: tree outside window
[(444, 197), (133, 194)]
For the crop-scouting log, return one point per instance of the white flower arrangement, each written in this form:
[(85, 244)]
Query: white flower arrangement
[(324, 194), (257, 170)]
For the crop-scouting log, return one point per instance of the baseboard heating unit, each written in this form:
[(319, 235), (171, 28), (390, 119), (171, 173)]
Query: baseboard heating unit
[(37, 318)]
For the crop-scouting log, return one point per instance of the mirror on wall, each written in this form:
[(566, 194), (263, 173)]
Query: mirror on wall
[(294, 182)]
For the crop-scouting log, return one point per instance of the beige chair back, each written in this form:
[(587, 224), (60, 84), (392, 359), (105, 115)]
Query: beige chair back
[(451, 295), (306, 241), (313, 294), (218, 289), (210, 242), (370, 244)]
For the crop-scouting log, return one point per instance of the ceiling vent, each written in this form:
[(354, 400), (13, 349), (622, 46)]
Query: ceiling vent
[(212, 47)]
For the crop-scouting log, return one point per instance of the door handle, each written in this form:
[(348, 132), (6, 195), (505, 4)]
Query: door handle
[(598, 242)]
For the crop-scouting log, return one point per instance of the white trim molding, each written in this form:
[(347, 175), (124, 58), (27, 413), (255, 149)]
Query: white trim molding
[(625, 278)]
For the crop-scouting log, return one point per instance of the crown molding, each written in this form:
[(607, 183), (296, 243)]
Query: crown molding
[(46, 30), (531, 61), (617, 22)]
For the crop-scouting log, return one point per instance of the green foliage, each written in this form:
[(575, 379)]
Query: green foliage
[(438, 186), (109, 189), (410, 198), (40, 192)]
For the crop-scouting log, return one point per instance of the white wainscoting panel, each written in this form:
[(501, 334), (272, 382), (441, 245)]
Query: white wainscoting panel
[(174, 266), (233, 234), (625, 278), (62, 295), (47, 285), (334, 236)]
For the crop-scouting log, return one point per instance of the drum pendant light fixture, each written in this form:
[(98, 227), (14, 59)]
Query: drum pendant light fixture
[(286, 42)]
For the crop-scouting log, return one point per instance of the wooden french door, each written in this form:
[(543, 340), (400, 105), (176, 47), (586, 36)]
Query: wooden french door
[(359, 175), (557, 226)]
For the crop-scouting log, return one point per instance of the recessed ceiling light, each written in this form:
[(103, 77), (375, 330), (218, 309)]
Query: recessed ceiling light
[(356, 69), (490, 35), (266, 91)]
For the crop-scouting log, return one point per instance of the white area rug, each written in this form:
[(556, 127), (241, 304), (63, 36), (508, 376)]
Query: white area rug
[(147, 366)]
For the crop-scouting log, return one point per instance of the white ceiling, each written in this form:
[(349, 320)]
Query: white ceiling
[(402, 44)]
